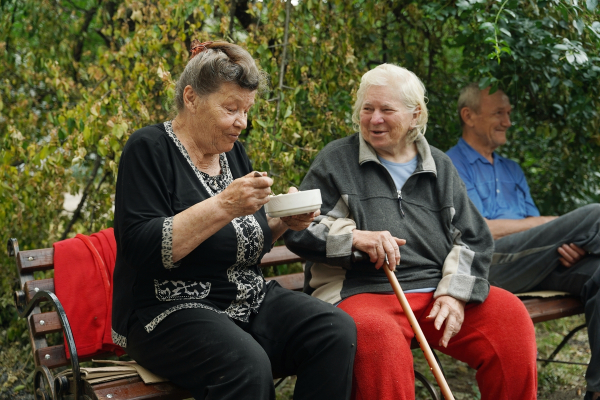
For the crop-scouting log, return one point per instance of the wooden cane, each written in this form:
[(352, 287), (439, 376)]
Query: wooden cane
[(433, 365)]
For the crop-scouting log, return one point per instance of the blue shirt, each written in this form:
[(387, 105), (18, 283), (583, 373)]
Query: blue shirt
[(498, 190), (400, 172)]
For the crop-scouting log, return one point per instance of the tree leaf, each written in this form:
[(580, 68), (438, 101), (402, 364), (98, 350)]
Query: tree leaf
[(591, 4)]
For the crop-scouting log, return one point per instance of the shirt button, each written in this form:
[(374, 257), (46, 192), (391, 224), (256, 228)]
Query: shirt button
[(498, 191)]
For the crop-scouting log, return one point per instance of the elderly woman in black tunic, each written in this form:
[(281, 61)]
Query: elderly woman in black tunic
[(189, 300)]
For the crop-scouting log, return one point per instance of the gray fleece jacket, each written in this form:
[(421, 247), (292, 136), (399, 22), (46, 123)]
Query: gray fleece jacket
[(448, 244)]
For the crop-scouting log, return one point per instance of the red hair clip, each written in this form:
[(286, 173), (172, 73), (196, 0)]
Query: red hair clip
[(197, 47)]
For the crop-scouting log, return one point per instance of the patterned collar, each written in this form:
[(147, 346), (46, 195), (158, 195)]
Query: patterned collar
[(213, 184)]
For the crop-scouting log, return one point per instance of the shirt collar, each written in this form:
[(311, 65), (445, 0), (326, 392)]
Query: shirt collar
[(471, 154), (425, 159)]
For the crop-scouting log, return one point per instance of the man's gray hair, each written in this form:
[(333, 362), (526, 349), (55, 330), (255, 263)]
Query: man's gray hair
[(220, 62), (470, 97), (408, 87)]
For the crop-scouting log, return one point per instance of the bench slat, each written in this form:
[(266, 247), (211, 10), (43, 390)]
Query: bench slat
[(35, 260), (279, 255), (545, 309), (135, 389), (51, 356), (41, 284), (45, 323)]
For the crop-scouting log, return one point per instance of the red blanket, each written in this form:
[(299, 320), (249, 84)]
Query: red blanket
[(83, 270)]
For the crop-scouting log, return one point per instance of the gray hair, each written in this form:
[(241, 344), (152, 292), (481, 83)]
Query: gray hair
[(470, 97), (405, 83), (220, 62)]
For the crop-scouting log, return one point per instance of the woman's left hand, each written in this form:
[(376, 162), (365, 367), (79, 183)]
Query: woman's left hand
[(451, 310), (301, 221)]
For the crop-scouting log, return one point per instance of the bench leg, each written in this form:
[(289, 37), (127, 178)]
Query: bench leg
[(280, 381), (43, 384), (561, 345), (427, 385)]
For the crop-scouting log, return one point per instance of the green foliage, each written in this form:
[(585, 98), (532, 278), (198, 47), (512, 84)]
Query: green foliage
[(77, 77)]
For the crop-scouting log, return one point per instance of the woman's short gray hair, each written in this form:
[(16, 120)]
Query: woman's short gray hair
[(405, 83), (218, 63)]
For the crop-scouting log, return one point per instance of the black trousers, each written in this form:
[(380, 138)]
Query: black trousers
[(216, 357), (528, 260)]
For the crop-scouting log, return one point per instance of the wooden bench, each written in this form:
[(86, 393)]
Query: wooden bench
[(32, 293)]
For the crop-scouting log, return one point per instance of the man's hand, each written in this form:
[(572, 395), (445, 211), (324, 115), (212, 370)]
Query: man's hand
[(570, 254), (378, 245), (451, 310)]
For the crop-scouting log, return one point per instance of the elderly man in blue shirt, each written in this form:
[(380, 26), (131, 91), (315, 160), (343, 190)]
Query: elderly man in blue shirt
[(532, 252)]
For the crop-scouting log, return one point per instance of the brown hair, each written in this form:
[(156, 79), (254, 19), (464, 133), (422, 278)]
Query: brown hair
[(217, 63)]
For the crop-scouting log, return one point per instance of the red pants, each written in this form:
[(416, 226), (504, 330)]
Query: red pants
[(497, 339)]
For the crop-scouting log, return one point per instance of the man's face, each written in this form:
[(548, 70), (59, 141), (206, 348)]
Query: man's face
[(493, 120)]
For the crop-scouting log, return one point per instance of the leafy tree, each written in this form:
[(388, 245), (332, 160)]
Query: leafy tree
[(77, 77)]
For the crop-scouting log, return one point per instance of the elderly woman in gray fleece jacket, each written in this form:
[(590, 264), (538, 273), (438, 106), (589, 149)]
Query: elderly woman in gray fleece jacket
[(389, 194)]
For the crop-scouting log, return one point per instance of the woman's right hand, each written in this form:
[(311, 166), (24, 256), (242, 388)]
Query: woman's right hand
[(378, 244), (246, 195)]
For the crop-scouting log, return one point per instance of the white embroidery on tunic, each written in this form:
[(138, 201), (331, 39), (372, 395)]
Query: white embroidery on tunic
[(119, 340), (166, 248), (180, 290), (250, 241), (150, 327)]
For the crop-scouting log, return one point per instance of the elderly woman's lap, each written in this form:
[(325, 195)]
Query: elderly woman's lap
[(218, 358), (496, 338)]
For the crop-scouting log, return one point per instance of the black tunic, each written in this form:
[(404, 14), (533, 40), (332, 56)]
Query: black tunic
[(156, 181)]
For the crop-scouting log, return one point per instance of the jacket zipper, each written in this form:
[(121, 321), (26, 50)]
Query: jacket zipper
[(400, 202)]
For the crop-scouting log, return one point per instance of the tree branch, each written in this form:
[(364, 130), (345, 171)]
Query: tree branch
[(88, 17), (288, 6), (77, 212)]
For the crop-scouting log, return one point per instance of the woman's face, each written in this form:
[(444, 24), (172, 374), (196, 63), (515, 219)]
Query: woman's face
[(221, 117), (385, 121)]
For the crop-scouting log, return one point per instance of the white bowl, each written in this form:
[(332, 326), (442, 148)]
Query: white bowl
[(284, 205)]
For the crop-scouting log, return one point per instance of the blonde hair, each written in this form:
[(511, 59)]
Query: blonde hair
[(405, 84)]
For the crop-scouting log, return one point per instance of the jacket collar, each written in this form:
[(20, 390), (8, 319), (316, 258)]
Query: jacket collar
[(425, 160)]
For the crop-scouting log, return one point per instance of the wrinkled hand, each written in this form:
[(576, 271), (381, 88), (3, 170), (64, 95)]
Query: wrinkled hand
[(246, 195), (450, 310), (378, 245), (301, 221), (570, 254)]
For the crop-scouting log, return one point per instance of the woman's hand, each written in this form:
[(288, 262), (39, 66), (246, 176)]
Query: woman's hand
[(294, 222), (301, 221), (246, 195), (378, 245), (451, 310)]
